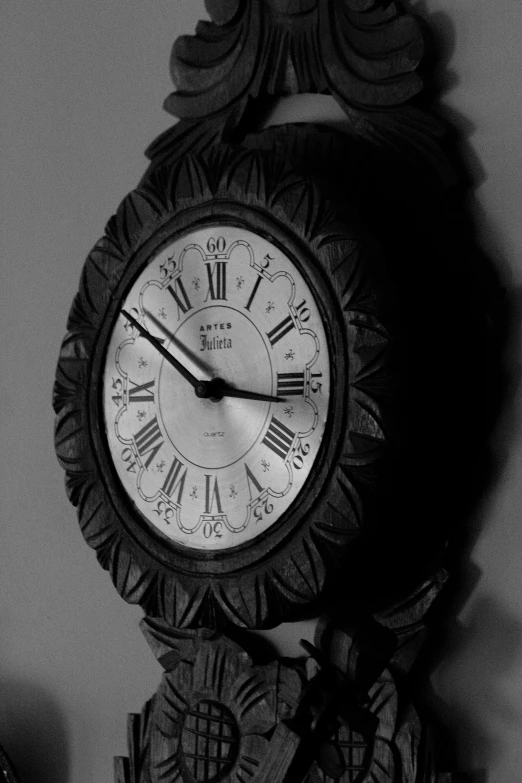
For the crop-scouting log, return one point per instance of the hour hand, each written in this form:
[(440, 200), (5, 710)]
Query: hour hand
[(219, 388)]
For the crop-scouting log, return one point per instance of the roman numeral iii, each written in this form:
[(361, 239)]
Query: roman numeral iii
[(290, 383)]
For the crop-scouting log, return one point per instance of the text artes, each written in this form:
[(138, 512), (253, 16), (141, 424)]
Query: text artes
[(214, 343)]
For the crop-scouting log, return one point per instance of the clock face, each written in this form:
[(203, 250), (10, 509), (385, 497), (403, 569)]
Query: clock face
[(214, 472)]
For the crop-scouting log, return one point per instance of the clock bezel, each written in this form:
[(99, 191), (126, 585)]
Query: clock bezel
[(190, 559)]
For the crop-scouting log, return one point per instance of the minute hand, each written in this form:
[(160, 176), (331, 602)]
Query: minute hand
[(163, 351)]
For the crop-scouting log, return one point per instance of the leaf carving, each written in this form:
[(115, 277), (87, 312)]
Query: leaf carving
[(364, 53), (270, 586)]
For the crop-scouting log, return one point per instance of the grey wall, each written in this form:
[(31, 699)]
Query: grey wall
[(82, 86)]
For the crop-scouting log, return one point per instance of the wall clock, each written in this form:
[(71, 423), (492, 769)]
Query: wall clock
[(241, 398), (220, 382)]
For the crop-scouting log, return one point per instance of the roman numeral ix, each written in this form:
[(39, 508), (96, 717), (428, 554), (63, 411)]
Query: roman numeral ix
[(140, 392)]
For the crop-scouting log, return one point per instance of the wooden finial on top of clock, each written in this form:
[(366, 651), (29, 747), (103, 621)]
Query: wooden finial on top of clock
[(364, 53)]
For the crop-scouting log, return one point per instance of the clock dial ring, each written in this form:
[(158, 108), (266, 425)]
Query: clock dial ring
[(283, 571), (159, 431), (188, 559)]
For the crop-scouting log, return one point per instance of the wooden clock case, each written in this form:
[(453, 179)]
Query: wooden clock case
[(375, 209), (266, 580)]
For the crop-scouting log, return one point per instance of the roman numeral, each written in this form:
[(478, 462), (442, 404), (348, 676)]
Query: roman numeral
[(251, 479), (211, 496), (175, 479), (279, 438), (280, 330), (180, 296), (254, 291), (290, 383), (147, 440), (217, 280), (140, 393)]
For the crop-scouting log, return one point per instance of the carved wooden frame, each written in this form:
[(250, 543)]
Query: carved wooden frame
[(283, 571)]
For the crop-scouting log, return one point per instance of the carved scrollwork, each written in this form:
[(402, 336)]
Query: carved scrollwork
[(344, 714), (364, 52)]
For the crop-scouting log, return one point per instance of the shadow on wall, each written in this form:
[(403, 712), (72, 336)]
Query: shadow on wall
[(33, 733), (461, 318), (476, 657), (472, 700)]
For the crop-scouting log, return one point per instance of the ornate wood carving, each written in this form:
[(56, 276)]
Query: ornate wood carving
[(365, 53), (211, 715), (287, 568), (345, 714)]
